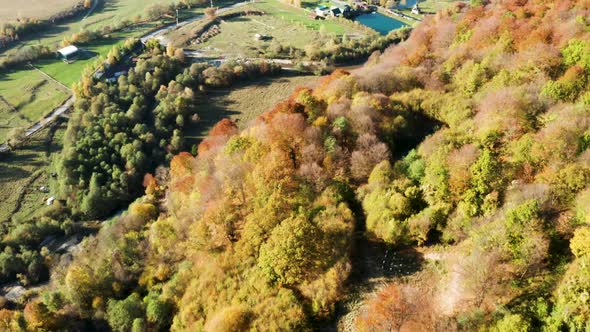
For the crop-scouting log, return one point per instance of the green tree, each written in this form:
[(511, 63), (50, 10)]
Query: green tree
[(580, 243), (122, 314), (511, 323), (93, 203), (291, 253), (158, 311)]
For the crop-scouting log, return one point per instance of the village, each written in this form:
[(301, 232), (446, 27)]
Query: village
[(362, 7)]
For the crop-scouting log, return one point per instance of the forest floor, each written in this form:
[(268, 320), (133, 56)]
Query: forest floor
[(374, 265)]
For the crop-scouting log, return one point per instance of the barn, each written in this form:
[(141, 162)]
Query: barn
[(69, 53)]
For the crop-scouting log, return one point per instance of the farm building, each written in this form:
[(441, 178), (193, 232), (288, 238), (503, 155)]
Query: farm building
[(68, 53), (335, 11), (322, 11)]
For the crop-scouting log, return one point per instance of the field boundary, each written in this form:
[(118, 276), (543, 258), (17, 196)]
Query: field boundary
[(50, 77)]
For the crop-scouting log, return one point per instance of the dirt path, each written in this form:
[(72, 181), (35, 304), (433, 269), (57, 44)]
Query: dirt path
[(374, 264)]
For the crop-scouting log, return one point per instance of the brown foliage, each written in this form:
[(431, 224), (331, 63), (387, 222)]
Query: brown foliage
[(38, 316), (397, 308), (369, 152), (6, 317), (150, 184), (225, 127), (218, 135)]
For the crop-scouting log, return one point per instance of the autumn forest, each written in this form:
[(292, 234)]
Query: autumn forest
[(463, 149)]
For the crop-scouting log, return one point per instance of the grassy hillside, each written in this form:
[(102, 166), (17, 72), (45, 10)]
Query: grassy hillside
[(11, 10)]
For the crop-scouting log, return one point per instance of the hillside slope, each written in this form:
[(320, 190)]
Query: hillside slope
[(257, 232)]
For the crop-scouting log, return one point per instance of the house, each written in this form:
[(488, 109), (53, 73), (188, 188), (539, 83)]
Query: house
[(50, 201), (69, 53), (116, 76), (416, 9), (322, 11), (347, 11), (335, 12)]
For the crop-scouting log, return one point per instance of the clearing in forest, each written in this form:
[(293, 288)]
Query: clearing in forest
[(243, 102)]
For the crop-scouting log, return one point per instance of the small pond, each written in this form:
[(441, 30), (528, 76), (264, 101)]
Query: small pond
[(379, 22)]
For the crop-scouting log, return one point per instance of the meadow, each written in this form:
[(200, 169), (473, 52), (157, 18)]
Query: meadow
[(108, 13), (69, 73), (12, 10), (428, 7), (26, 95), (24, 171), (237, 36)]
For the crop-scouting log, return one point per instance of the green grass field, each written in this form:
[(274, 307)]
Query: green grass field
[(26, 95), (69, 73), (108, 13), (34, 95), (24, 171), (12, 10), (237, 36), (243, 102), (433, 6), (287, 25)]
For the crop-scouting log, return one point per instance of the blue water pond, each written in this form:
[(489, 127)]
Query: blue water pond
[(379, 22)]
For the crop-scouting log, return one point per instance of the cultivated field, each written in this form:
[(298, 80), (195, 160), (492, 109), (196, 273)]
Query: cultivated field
[(26, 95), (244, 102), (11, 10)]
